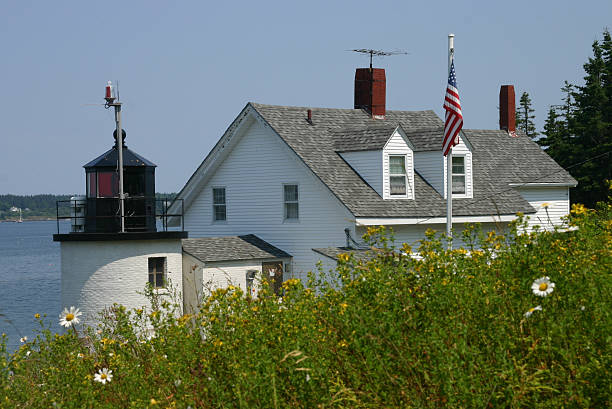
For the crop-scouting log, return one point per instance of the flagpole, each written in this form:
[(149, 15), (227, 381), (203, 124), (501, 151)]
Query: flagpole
[(449, 157)]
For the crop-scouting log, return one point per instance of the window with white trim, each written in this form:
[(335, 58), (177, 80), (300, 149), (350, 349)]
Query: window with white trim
[(292, 211), (219, 205), (458, 174), (397, 175)]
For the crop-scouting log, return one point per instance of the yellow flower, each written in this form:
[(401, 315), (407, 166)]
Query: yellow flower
[(37, 315), (343, 257), (578, 208)]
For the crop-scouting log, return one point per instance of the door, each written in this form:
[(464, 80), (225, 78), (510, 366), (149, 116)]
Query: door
[(272, 272)]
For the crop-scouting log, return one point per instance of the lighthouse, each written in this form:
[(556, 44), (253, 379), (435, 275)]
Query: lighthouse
[(119, 241)]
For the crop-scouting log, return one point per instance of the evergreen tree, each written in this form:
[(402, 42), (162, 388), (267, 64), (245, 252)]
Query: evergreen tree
[(525, 116), (593, 125), (579, 132)]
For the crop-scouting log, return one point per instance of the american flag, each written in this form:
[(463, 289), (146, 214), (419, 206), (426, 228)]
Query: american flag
[(454, 118)]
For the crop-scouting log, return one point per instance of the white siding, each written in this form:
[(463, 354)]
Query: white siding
[(462, 150), (551, 204), (253, 174), (411, 234), (96, 274), (397, 146), (430, 166), (369, 166)]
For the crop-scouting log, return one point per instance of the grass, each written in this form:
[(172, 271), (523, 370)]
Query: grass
[(448, 330)]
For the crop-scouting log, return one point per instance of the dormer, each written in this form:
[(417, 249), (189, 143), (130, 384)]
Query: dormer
[(383, 157), (431, 164)]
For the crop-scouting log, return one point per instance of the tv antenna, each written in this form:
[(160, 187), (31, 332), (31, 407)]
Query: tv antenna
[(378, 53)]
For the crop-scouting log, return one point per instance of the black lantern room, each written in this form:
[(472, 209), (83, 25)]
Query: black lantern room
[(102, 179)]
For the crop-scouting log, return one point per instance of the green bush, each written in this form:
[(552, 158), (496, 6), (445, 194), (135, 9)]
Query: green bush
[(447, 330)]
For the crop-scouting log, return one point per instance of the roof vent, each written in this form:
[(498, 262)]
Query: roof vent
[(309, 116)]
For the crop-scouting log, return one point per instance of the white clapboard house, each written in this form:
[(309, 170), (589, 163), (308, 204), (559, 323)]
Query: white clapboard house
[(307, 182), (287, 187)]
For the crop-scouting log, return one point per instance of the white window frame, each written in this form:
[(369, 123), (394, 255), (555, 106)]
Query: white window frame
[(391, 175), (464, 174), (214, 205), (286, 202)]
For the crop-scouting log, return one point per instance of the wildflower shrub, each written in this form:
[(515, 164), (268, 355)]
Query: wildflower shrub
[(457, 328)]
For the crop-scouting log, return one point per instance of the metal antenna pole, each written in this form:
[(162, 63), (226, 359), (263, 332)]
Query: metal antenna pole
[(449, 157), (378, 53), (111, 101), (117, 106)]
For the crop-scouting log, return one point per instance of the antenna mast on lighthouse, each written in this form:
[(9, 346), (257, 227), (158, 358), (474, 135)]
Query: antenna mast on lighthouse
[(111, 101)]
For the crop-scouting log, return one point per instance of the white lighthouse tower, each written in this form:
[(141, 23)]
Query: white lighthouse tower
[(114, 248)]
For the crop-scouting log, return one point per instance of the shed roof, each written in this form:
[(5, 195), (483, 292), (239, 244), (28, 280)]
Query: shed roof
[(247, 247), (334, 252)]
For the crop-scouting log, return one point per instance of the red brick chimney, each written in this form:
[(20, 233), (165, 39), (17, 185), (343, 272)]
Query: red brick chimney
[(370, 91), (507, 109)]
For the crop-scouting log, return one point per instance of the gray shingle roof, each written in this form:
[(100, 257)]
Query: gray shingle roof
[(372, 137), (246, 247), (426, 139), (505, 159), (498, 160), (333, 252)]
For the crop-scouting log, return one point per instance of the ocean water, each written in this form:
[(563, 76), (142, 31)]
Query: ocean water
[(29, 278)]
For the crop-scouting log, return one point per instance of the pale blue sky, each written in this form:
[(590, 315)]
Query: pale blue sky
[(187, 68)]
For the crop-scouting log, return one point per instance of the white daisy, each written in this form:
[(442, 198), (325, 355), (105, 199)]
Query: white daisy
[(104, 375), (69, 317), (23, 339), (532, 310), (542, 286)]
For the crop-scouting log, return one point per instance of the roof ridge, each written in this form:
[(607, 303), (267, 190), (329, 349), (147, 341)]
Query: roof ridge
[(258, 104)]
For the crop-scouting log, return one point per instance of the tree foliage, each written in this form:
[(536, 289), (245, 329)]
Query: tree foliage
[(525, 116), (578, 133)]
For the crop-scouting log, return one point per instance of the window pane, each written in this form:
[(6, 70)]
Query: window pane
[(397, 165), (220, 213), (219, 195), (291, 211), (291, 193), (107, 184), (159, 280), (92, 190), (157, 271), (458, 184), (458, 165), (398, 185)]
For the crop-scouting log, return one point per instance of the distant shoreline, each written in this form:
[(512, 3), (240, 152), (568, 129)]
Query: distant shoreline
[(37, 219)]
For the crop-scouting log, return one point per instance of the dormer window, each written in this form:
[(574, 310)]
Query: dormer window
[(397, 175), (458, 174)]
